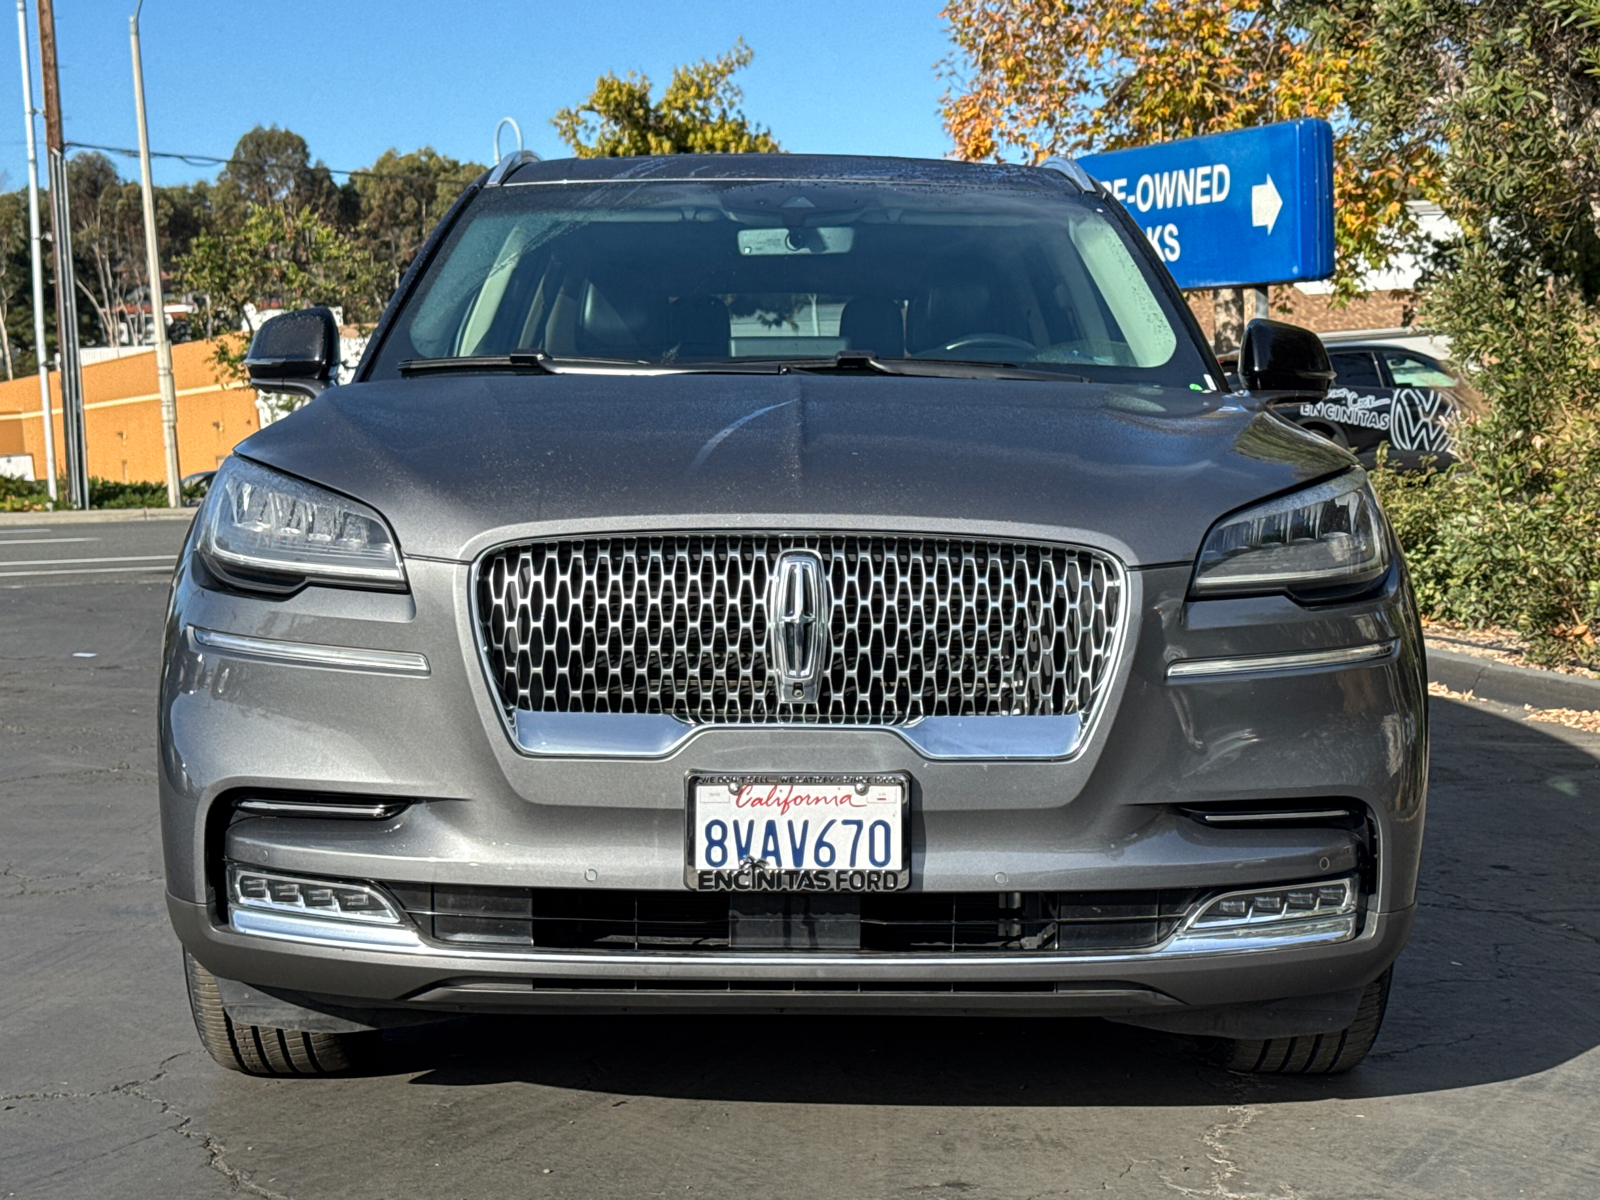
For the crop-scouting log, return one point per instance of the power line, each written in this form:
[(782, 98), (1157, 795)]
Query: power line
[(211, 160)]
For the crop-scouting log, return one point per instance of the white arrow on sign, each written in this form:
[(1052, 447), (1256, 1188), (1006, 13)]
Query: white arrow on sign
[(1265, 204)]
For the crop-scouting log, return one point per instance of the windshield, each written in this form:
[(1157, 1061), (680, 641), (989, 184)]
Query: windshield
[(709, 275)]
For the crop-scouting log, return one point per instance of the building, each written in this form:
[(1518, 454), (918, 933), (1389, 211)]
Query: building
[(122, 417)]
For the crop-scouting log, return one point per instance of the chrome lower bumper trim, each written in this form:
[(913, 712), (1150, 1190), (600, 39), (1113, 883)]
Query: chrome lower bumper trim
[(310, 654), (1261, 664), (645, 735), (1189, 943), (346, 934)]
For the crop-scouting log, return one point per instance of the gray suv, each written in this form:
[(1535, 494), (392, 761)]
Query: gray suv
[(793, 585)]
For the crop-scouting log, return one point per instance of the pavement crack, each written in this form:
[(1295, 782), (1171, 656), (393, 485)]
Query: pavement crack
[(1224, 1168), (28, 885), (183, 1125)]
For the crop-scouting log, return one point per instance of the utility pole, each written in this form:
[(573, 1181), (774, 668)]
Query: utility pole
[(66, 288), (152, 254), (36, 244)]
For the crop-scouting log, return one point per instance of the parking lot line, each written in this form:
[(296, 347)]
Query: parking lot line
[(156, 566), (110, 558), (44, 541)]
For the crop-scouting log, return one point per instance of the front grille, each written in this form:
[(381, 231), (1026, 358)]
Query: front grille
[(718, 922), (916, 627)]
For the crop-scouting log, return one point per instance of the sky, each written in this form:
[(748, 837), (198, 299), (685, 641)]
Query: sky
[(356, 77)]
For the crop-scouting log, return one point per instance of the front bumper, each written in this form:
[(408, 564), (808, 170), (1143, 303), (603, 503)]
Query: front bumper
[(483, 813), (457, 980)]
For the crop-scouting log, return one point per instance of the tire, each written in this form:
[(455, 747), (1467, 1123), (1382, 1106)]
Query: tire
[(1332, 433), (264, 1049), (1318, 1054)]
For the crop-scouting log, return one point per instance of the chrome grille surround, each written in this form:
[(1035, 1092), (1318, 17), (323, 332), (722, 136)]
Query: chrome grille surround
[(677, 625)]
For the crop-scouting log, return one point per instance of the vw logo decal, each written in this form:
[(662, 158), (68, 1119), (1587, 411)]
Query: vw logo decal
[(798, 607)]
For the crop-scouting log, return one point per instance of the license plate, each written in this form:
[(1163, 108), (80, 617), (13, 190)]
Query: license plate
[(789, 833)]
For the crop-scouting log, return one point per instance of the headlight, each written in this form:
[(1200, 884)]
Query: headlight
[(1328, 536), (279, 532)]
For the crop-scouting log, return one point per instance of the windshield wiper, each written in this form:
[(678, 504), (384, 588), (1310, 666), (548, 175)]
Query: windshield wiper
[(846, 362), (851, 362), (535, 362)]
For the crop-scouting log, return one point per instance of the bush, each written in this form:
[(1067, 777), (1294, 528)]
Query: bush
[(17, 495), (21, 495), (1510, 535)]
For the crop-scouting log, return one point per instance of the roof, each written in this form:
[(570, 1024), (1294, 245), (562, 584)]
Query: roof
[(680, 167)]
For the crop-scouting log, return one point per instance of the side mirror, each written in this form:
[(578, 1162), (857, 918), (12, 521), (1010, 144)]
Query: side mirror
[(1279, 357), (297, 352)]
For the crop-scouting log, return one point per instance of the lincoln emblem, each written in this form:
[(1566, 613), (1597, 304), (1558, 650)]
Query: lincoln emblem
[(798, 603)]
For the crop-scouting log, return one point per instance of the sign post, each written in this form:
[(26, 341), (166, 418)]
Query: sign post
[(1232, 210)]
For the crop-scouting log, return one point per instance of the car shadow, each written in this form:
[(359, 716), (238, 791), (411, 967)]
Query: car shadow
[(1498, 983)]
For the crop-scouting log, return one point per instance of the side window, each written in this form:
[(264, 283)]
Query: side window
[(1410, 370), (1355, 369)]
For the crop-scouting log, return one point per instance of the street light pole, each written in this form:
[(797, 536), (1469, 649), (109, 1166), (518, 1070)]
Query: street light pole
[(36, 242), (152, 254)]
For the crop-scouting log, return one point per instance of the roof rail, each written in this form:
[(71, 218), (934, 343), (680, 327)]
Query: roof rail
[(1068, 166), (508, 164)]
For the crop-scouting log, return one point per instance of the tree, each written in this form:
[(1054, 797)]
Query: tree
[(401, 198), (14, 277), (1509, 93), (1042, 77), (108, 239), (1510, 90), (276, 257), (273, 167), (698, 113)]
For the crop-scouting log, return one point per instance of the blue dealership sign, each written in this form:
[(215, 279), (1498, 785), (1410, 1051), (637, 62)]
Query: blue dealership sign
[(1232, 209)]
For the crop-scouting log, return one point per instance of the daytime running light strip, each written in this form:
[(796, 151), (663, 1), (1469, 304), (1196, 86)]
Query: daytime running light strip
[(307, 654), (1259, 664)]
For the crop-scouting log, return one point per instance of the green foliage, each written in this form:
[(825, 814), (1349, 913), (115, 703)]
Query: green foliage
[(277, 257), (1511, 534), (272, 168), (106, 493), (1509, 92), (17, 495), (21, 495), (698, 113), (401, 198)]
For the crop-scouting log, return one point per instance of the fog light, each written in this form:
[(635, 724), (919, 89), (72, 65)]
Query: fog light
[(1279, 905), (271, 892)]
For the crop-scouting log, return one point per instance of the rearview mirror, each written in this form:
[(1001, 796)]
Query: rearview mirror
[(1279, 357), (297, 352)]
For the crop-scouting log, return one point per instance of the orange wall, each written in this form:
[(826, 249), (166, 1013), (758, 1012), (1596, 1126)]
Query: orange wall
[(122, 416)]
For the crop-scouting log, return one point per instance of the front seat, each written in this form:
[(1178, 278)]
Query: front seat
[(697, 327), (875, 324)]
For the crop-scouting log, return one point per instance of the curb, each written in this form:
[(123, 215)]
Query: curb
[(1490, 680), (97, 515)]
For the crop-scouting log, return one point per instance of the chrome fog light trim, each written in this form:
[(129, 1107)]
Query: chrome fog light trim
[(376, 811), (323, 900), (316, 931), (1299, 660), (312, 654)]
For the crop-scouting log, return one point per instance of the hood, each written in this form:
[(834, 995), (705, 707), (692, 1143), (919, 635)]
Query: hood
[(449, 459)]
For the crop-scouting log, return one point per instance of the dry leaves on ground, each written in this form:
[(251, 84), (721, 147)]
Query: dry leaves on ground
[(1573, 718), (1587, 720)]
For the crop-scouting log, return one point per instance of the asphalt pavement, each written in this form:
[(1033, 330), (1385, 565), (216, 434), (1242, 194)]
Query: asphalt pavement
[(47, 552), (1484, 1083)]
